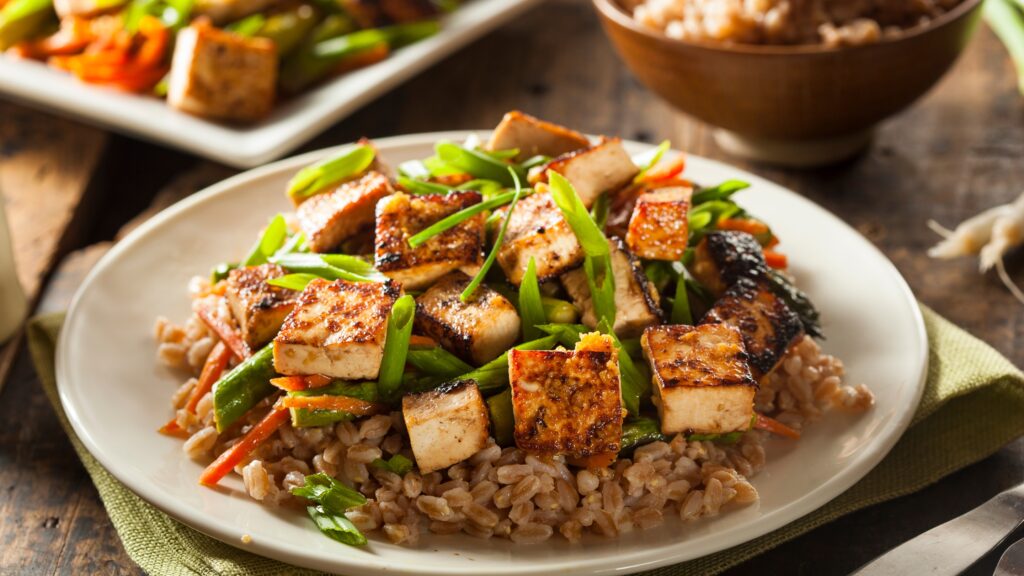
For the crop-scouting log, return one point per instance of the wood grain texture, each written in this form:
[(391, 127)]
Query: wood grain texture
[(955, 153)]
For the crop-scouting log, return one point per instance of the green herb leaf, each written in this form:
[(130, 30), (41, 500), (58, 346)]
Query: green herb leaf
[(336, 526), (479, 278), (437, 362), (396, 347), (397, 464), (329, 493), (531, 308), (273, 237), (350, 162), (650, 158), (459, 217), (477, 163)]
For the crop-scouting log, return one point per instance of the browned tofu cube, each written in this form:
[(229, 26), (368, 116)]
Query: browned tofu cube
[(722, 258), (537, 229), (769, 327), (637, 302), (258, 307), (331, 218), (701, 379), (337, 329), (446, 425), (477, 331), (534, 137), (400, 216), (568, 402), (658, 227), (217, 74), (606, 167)]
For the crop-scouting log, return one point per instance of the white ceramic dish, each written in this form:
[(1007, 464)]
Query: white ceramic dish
[(291, 124), (116, 394)]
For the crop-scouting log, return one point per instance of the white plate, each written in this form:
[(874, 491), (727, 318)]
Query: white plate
[(290, 125), (116, 394)]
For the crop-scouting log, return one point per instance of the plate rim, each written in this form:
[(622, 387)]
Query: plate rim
[(632, 561)]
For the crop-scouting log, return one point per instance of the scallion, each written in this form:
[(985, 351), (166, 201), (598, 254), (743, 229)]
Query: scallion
[(721, 192), (489, 261), (474, 162), (531, 308), (459, 217), (273, 237), (397, 464), (350, 162), (649, 158), (437, 362), (396, 347), (633, 383)]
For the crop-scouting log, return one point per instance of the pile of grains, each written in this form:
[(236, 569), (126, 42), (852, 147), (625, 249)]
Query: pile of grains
[(832, 23), (505, 492)]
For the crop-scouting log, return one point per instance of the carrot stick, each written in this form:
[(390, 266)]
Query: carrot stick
[(172, 428), (776, 260), (417, 341), (342, 403), (227, 333), (256, 435), (301, 383), (748, 225), (775, 427), (216, 362)]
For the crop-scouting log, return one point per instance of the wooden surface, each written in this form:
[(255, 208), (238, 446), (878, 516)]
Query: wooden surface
[(957, 152)]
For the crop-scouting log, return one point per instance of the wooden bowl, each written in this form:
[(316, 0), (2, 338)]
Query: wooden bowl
[(796, 105)]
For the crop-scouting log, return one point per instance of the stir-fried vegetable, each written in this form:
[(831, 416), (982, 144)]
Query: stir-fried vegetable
[(326, 266), (459, 217), (349, 163), (437, 362), (721, 192), (498, 240), (477, 163), (272, 239), (494, 374), (21, 19), (649, 158), (310, 416), (235, 455), (499, 408), (639, 431), (635, 385), (531, 307), (397, 464), (559, 311), (396, 347), (243, 387), (288, 28), (681, 312), (1006, 18)]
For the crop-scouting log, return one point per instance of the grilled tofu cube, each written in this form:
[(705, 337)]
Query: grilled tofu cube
[(538, 229), (258, 307), (568, 402), (534, 137), (400, 216), (477, 331), (217, 74), (637, 303), (722, 258), (330, 219), (592, 171), (446, 425), (769, 327), (337, 329), (658, 226), (702, 382)]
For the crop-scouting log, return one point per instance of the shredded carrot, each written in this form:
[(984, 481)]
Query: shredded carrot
[(775, 427), (300, 383), (256, 435), (363, 59), (417, 341), (776, 260), (215, 365), (666, 172), (342, 403), (748, 225), (595, 460), (74, 35), (172, 428), (225, 331)]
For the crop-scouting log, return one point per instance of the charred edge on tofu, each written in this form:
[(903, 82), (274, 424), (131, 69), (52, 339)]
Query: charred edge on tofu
[(705, 365), (637, 269), (742, 306), (393, 229), (337, 316), (736, 255), (451, 335)]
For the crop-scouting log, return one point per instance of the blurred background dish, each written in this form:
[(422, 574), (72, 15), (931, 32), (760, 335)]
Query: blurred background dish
[(800, 104), (13, 305)]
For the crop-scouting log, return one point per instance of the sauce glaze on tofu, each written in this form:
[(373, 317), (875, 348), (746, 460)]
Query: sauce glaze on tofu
[(258, 307), (658, 227), (568, 402), (769, 327), (401, 215), (538, 229), (724, 257), (446, 425), (477, 331), (337, 329), (331, 218), (702, 382)]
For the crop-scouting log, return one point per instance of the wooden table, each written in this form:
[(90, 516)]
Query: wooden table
[(958, 151)]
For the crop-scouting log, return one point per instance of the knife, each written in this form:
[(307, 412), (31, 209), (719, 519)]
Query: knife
[(951, 548)]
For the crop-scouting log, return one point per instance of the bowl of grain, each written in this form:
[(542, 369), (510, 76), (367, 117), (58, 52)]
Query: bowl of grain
[(790, 82)]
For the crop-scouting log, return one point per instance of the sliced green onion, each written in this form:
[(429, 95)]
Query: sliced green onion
[(459, 217), (270, 241), (336, 526), (297, 282), (494, 374), (502, 418), (397, 464), (649, 158), (329, 493), (475, 162), (437, 362), (221, 272), (506, 154), (317, 265), (414, 169), (721, 192), (22, 19), (534, 161), (531, 308), (350, 162), (633, 383), (479, 278), (396, 347), (681, 313), (600, 211), (659, 273), (567, 335), (248, 26), (296, 243), (421, 187)]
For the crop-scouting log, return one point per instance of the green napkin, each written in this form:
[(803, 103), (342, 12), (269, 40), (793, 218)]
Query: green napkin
[(971, 406)]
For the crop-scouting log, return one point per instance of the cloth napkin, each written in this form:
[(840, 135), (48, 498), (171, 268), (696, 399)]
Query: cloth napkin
[(972, 405)]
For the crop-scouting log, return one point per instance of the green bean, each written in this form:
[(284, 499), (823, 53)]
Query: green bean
[(639, 431), (243, 387), (558, 311), (531, 307), (494, 374), (303, 67), (437, 362), (502, 419)]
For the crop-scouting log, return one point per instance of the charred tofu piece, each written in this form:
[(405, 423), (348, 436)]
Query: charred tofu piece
[(637, 303), (330, 219), (401, 215), (769, 327), (658, 226), (534, 137), (538, 229), (337, 329), (568, 402), (702, 382), (722, 258), (217, 74), (258, 307), (446, 425), (592, 171), (477, 331)]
